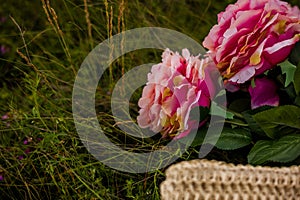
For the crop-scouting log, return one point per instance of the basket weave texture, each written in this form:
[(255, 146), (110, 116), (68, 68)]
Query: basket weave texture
[(215, 180)]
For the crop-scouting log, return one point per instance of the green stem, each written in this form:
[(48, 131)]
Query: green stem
[(236, 123)]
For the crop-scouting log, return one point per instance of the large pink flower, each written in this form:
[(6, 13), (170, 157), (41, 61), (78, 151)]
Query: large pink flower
[(174, 87), (252, 36)]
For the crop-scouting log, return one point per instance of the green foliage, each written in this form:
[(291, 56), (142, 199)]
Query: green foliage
[(233, 138), (288, 69), (219, 111), (294, 56), (285, 149), (297, 80), (253, 125), (279, 121), (230, 138)]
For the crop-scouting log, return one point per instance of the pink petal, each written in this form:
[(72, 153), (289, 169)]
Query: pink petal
[(247, 19), (191, 125), (231, 87), (243, 75), (280, 45), (279, 51), (143, 119), (264, 93)]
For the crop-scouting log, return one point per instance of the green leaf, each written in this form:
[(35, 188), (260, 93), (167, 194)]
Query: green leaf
[(240, 105), (203, 113), (254, 126), (279, 121), (219, 111), (199, 138), (286, 149), (297, 80), (288, 69), (229, 139), (199, 113), (297, 101), (253, 83), (294, 55)]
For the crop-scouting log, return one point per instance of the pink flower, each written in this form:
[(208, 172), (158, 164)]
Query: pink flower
[(27, 151), (174, 87), (5, 117), (4, 49), (264, 93), (252, 36), (21, 157)]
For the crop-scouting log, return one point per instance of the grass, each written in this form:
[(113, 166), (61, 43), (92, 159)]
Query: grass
[(41, 154)]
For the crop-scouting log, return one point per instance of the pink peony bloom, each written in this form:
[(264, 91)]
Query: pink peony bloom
[(175, 86), (264, 93), (252, 36)]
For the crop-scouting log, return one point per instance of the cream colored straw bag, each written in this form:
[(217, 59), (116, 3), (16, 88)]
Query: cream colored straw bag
[(210, 180)]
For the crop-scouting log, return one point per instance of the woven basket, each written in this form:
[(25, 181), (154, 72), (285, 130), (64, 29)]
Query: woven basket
[(214, 180)]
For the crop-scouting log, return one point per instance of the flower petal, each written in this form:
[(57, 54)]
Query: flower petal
[(264, 93), (243, 75)]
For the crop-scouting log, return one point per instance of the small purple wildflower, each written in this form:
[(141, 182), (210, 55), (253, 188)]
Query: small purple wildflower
[(4, 117), (3, 19), (1, 177), (21, 157), (4, 49), (27, 151), (28, 140)]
